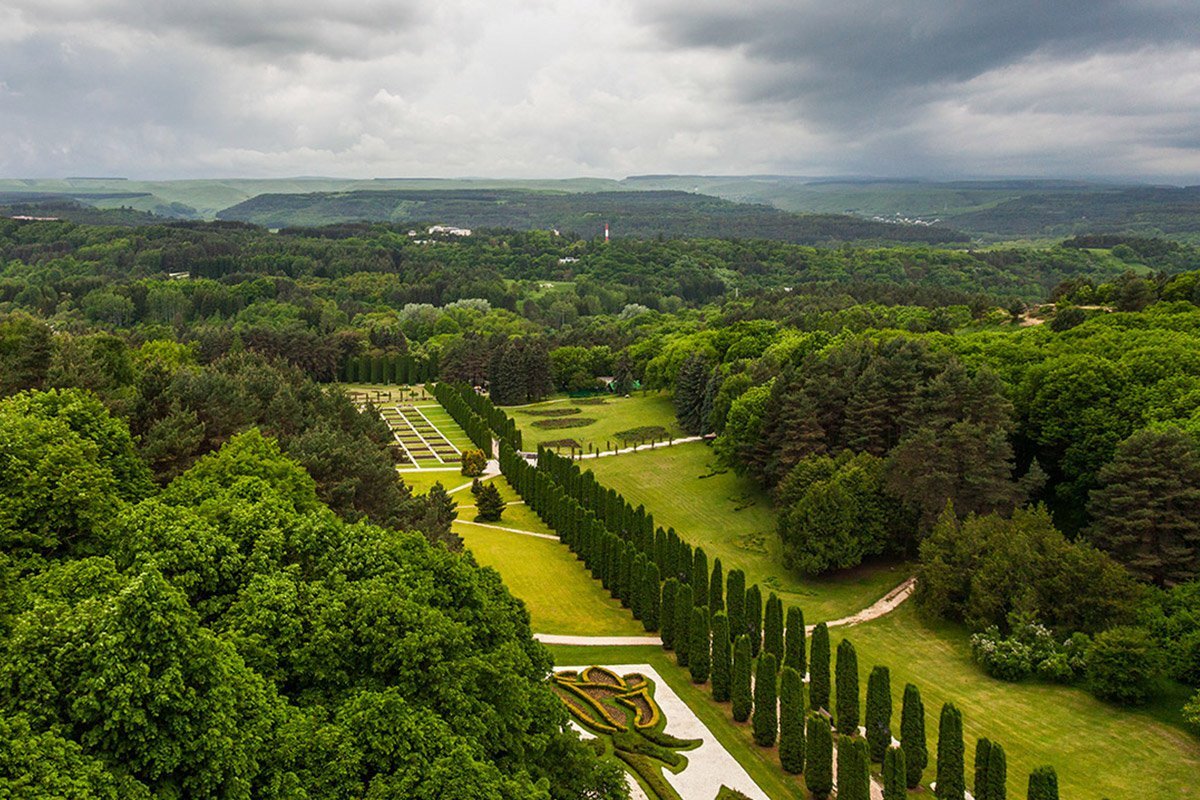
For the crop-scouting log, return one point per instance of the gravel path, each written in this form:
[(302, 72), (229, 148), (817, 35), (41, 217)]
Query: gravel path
[(509, 530), (885, 605), (596, 641)]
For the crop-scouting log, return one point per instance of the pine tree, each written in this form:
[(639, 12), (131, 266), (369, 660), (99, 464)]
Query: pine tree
[(754, 618), (666, 628), (742, 698), (699, 648), (773, 627), (879, 712), (997, 774), (847, 689), (1043, 784), (818, 669), (793, 649), (699, 581), (983, 752), (766, 701), (722, 666), (950, 767), (735, 602), (683, 624), (853, 772), (818, 756), (488, 502), (716, 588), (791, 721), (689, 392), (651, 597), (894, 778), (912, 736)]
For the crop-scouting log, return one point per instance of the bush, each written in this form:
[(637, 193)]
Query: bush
[(1123, 666), (1006, 659), (474, 462)]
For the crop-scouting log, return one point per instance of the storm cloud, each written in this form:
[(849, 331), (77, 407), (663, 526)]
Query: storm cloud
[(551, 88)]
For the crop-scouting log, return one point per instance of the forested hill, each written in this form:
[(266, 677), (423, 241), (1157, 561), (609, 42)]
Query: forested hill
[(629, 214)]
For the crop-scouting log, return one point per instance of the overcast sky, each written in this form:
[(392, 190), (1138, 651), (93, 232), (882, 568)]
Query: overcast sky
[(560, 88)]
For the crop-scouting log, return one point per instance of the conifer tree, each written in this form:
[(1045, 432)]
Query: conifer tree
[(766, 701), (950, 767), (754, 618), (699, 648), (716, 588), (666, 628), (818, 669), (793, 648), (651, 597), (879, 712), (791, 721), (699, 579), (773, 627), (983, 752), (894, 775), (722, 665), (741, 696), (847, 689), (818, 756), (488, 502), (735, 602), (635, 585), (624, 570), (912, 736), (853, 772), (997, 774), (690, 384), (683, 624), (1043, 784)]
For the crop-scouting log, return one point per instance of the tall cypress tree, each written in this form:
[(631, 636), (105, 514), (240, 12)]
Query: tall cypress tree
[(912, 736), (722, 664), (950, 767), (997, 774), (773, 627), (818, 669), (791, 721), (879, 712), (766, 701), (635, 585), (716, 588), (683, 624), (666, 626), (699, 579), (699, 648), (1043, 784), (983, 752), (847, 689), (754, 618), (742, 698), (651, 597), (793, 647), (894, 775), (853, 772), (735, 602), (624, 571), (818, 756)]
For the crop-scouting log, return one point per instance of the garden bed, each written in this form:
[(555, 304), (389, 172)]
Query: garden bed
[(563, 422)]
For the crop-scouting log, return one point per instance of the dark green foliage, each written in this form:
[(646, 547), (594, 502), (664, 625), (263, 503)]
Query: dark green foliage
[(879, 712), (735, 601), (488, 502), (754, 618), (912, 735), (1043, 784), (722, 658), (853, 772), (791, 721), (983, 754), (794, 654), (766, 701), (682, 635), (1123, 666), (818, 758), (818, 669), (847, 710), (689, 392), (699, 581), (997, 774), (951, 784), (666, 632), (716, 588), (651, 598), (894, 774), (741, 694), (773, 627), (699, 648)]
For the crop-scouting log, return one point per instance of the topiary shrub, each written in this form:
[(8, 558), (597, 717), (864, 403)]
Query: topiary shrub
[(766, 701), (818, 756), (474, 462)]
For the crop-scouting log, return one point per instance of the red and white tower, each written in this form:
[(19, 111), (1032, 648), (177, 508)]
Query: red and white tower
[(606, 231)]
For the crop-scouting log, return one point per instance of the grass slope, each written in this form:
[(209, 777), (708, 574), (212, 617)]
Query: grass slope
[(615, 415), (733, 520)]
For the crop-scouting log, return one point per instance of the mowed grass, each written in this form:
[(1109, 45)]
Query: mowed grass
[(442, 420), (1099, 750), (732, 519), (615, 415), (761, 763)]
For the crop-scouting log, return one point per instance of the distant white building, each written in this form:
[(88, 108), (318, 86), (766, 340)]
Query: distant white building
[(450, 230), (568, 260)]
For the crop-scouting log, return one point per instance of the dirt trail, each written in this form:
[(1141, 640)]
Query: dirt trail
[(881, 607)]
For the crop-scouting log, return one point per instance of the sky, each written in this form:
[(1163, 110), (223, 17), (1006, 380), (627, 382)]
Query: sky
[(607, 88)]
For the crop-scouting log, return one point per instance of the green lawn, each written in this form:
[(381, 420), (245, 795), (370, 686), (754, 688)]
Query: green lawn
[(615, 415), (733, 520), (421, 481), (761, 763)]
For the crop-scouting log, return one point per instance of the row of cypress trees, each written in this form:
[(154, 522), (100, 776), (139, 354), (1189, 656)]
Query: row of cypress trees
[(389, 369), (469, 408)]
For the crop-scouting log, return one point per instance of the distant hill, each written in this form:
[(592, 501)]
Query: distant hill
[(73, 211), (672, 214)]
